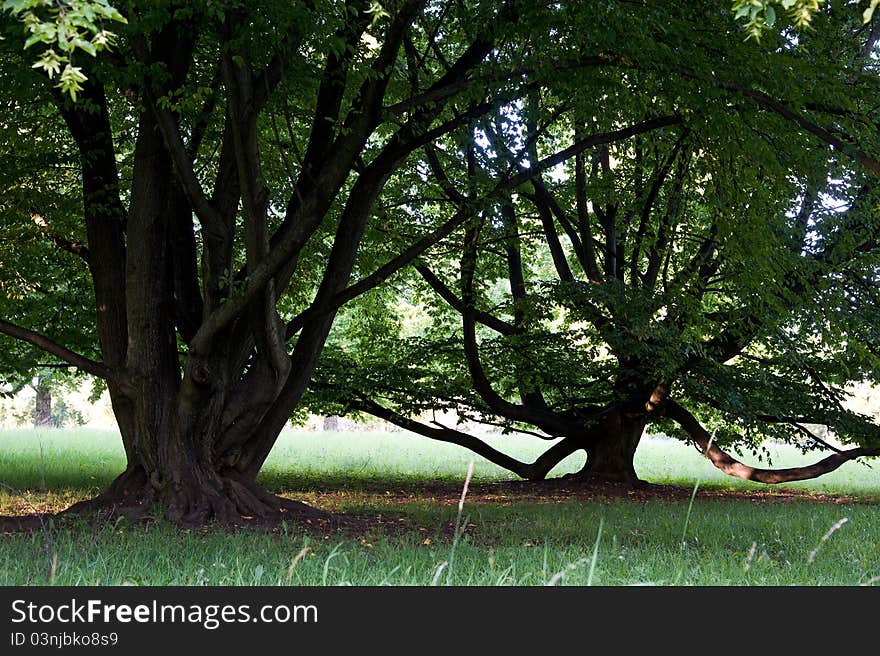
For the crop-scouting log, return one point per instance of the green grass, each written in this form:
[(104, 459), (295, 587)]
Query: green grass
[(514, 542)]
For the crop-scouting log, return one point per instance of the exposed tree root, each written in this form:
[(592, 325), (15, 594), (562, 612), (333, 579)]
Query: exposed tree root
[(22, 524), (236, 504), (129, 495)]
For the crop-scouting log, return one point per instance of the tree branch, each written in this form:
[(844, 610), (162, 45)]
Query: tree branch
[(380, 275), (45, 344), (535, 471), (779, 107), (597, 139), (557, 253), (72, 247), (105, 216), (546, 420), (208, 217), (457, 304), (733, 467)]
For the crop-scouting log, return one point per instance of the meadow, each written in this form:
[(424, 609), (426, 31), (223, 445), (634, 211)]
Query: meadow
[(723, 532)]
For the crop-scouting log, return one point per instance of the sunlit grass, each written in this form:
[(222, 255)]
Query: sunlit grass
[(727, 542)]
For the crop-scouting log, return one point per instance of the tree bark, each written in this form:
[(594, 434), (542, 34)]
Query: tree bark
[(197, 362), (611, 449), (180, 465)]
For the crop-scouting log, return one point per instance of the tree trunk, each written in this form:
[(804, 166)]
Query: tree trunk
[(43, 407), (611, 450), (188, 467), (189, 435)]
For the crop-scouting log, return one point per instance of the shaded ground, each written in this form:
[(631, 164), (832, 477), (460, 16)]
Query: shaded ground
[(562, 489), (557, 490), (24, 513)]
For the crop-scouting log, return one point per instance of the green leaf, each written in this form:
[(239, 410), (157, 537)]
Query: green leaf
[(86, 46)]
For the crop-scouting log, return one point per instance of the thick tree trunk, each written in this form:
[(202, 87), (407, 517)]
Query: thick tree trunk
[(180, 467), (191, 461), (43, 407), (611, 450)]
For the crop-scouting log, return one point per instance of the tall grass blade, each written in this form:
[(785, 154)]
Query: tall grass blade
[(595, 552), (456, 536)]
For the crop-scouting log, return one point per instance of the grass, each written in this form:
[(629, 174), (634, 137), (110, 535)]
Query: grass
[(506, 541)]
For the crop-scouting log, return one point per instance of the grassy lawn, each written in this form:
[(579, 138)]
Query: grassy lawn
[(770, 539)]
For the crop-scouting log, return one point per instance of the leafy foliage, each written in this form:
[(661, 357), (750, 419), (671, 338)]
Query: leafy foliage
[(535, 214), (65, 29), (760, 16)]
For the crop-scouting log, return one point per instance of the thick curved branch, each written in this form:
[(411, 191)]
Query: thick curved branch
[(546, 420), (552, 457), (535, 472), (444, 434), (45, 344), (530, 394), (440, 173), (733, 467)]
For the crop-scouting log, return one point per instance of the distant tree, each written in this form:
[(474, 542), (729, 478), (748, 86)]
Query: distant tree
[(714, 275)]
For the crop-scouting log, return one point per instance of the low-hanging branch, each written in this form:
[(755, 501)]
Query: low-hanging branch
[(537, 470), (444, 434), (733, 467)]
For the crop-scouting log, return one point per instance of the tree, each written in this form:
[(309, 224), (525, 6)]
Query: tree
[(707, 248), (235, 165)]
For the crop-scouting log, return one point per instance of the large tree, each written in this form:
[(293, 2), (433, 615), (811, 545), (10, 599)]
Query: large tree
[(704, 258), (235, 165)]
